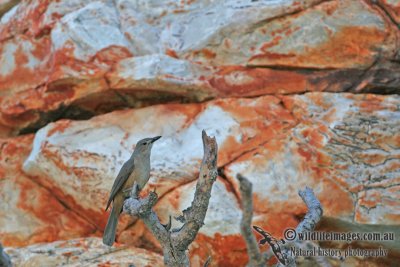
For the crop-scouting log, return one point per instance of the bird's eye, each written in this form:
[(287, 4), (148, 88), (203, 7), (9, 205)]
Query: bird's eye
[(145, 143)]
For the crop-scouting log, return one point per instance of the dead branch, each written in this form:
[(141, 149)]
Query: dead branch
[(175, 243), (4, 258), (313, 216), (256, 258)]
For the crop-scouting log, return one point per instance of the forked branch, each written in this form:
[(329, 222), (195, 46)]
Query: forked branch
[(175, 243)]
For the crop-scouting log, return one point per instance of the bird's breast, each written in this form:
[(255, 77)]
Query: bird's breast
[(140, 174)]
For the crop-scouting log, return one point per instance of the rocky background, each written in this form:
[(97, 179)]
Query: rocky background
[(296, 92)]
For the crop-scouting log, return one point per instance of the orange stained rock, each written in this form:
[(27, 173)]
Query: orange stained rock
[(63, 61), (111, 55), (51, 220), (23, 75), (34, 15), (242, 81), (46, 208), (314, 136), (225, 250), (26, 22), (393, 8), (305, 152), (352, 46), (98, 218), (95, 218), (205, 52), (171, 53), (259, 120), (59, 127)]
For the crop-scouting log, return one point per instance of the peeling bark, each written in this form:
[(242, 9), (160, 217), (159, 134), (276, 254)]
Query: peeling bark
[(175, 242)]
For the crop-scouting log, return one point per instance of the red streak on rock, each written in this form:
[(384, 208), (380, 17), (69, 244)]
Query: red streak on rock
[(393, 8), (352, 46), (331, 8), (304, 152), (242, 81), (59, 127), (52, 220), (205, 52), (274, 42), (171, 53), (228, 250), (112, 54)]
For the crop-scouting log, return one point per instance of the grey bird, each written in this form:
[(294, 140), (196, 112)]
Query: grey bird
[(136, 169)]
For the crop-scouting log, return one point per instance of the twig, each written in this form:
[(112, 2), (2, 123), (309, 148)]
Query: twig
[(175, 243), (207, 262), (314, 213), (312, 217), (4, 258), (256, 258)]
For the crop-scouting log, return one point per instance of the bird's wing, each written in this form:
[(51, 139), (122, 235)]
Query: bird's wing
[(123, 175)]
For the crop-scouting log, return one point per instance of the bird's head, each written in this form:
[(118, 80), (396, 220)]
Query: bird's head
[(144, 146)]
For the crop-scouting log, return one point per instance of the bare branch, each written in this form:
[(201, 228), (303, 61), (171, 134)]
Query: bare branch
[(142, 208), (256, 258), (313, 216), (314, 213), (195, 214), (175, 243), (4, 258)]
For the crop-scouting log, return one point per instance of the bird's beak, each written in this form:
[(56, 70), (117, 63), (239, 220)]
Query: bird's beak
[(155, 139)]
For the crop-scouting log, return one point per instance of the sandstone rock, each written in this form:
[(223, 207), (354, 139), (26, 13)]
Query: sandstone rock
[(344, 146), (333, 34), (77, 59), (82, 252), (79, 160), (392, 7), (161, 73), (5, 6), (28, 212), (65, 60), (341, 145)]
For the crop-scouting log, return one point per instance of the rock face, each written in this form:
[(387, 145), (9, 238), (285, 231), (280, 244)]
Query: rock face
[(82, 58), (342, 145), (80, 153), (296, 93), (30, 213), (82, 252)]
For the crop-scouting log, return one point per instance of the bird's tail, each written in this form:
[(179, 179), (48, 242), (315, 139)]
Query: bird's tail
[(111, 227)]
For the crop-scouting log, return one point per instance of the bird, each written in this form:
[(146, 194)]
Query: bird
[(135, 169)]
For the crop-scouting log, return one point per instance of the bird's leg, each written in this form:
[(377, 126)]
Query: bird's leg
[(135, 191), (132, 192)]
